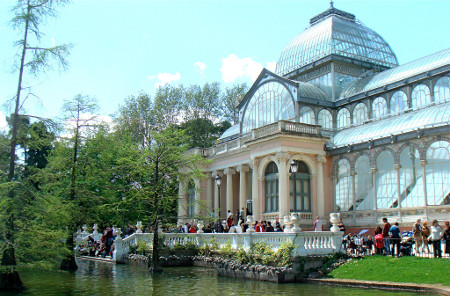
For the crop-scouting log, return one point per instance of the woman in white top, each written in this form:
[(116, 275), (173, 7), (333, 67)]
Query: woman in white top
[(435, 236)]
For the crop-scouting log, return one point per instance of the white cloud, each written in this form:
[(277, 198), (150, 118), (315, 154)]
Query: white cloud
[(164, 78), (200, 67), (234, 67), (3, 124), (271, 66)]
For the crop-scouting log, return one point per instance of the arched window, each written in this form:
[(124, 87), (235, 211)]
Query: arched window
[(420, 96), (191, 200), (325, 119), (438, 173), (343, 118), (270, 103), (399, 102), (307, 115), (360, 113), (442, 89), (386, 181), (271, 186), (411, 178), (379, 108), (300, 189), (343, 186), (363, 184)]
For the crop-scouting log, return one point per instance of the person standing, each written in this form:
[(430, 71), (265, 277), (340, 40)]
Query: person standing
[(417, 231), (435, 237), (425, 234), (318, 224), (446, 237), (229, 219), (394, 233), (385, 234)]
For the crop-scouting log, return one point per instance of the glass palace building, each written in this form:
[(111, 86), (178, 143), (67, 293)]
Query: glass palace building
[(371, 138)]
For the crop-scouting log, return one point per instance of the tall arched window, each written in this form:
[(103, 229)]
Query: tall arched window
[(191, 200), (399, 102), (270, 103), (386, 181), (379, 108), (307, 115), (363, 184), (438, 173), (360, 113), (420, 96), (343, 186), (300, 189), (343, 118), (271, 186), (442, 89), (411, 179), (325, 119)]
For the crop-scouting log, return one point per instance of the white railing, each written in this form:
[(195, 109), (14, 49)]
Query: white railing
[(306, 243)]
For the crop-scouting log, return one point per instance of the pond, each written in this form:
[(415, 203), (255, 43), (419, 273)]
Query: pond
[(100, 278)]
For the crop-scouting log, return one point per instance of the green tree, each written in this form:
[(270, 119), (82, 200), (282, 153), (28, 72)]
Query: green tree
[(28, 16), (231, 99), (80, 114)]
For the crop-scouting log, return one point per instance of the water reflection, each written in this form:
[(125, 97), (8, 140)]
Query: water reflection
[(98, 278)]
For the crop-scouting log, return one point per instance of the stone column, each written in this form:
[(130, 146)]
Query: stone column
[(182, 201), (255, 188), (229, 202), (374, 180), (397, 167), (423, 163), (320, 186), (353, 174), (283, 186), (197, 203), (209, 193), (242, 169)]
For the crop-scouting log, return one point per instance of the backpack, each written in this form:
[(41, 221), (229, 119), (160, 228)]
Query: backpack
[(379, 241)]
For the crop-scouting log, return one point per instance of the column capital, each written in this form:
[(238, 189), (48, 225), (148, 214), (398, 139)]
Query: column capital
[(282, 156), (397, 166), (254, 163), (321, 158), (215, 173), (423, 162), (229, 171), (242, 168)]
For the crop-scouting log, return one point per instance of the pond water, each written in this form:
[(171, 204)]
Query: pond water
[(100, 278)]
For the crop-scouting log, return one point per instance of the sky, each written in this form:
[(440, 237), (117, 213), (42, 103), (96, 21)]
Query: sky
[(125, 47)]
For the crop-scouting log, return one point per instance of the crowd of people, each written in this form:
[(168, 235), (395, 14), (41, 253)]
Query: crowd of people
[(390, 240)]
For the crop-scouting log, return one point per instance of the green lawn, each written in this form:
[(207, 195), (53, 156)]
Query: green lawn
[(404, 269)]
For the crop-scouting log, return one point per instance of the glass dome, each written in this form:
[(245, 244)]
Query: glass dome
[(335, 32)]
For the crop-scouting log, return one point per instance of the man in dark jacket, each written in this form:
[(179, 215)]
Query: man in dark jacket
[(394, 233), (385, 234)]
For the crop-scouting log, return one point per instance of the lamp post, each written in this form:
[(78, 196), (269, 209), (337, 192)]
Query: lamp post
[(294, 167), (218, 182)]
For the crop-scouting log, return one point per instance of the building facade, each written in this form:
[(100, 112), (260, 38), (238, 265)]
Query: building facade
[(370, 138)]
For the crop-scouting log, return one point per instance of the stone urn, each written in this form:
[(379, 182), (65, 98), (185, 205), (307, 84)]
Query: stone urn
[(200, 226), (118, 233), (287, 224), (139, 227), (295, 220), (250, 222), (334, 219), (95, 228), (84, 232)]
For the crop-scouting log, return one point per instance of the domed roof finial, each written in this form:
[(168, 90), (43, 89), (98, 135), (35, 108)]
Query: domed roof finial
[(331, 4)]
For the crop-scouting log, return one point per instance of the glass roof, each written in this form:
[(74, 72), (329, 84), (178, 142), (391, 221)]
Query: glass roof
[(335, 35), (310, 91), (231, 131), (399, 73), (428, 117)]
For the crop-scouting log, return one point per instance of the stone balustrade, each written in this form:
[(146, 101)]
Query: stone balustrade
[(306, 243)]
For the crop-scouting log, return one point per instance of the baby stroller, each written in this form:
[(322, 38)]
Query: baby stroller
[(406, 247)]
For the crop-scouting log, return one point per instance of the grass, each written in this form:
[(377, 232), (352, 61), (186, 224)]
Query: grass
[(402, 270)]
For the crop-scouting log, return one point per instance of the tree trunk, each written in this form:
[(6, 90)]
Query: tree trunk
[(69, 263), (155, 266)]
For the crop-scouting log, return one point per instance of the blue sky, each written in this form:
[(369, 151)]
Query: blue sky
[(123, 47)]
